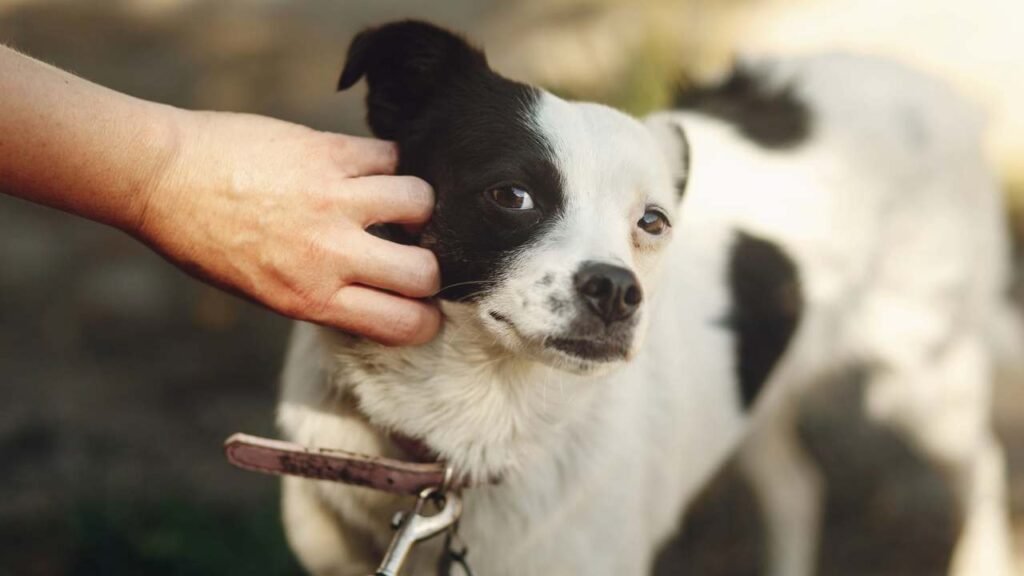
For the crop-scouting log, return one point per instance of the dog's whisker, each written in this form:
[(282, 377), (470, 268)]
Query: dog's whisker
[(466, 283)]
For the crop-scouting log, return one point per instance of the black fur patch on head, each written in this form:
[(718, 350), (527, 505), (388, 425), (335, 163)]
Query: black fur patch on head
[(465, 130), (766, 306), (407, 65), (773, 116)]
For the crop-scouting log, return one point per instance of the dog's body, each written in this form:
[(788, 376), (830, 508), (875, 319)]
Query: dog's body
[(850, 230)]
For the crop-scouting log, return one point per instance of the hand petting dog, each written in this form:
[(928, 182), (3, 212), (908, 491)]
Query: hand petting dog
[(279, 213), (270, 210)]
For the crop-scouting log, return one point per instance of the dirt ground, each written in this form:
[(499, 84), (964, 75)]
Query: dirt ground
[(121, 376)]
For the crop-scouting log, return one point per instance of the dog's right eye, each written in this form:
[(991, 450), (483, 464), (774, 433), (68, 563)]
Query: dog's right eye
[(511, 198), (654, 222)]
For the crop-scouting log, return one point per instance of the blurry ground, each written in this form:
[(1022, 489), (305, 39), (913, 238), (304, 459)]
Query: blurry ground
[(120, 376)]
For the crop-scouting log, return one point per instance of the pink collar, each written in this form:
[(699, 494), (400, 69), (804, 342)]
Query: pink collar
[(376, 472)]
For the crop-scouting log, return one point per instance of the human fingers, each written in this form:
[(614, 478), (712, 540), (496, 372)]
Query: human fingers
[(389, 199), (383, 317), (408, 270), (356, 156)]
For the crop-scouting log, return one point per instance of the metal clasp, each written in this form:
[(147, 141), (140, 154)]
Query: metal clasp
[(413, 526)]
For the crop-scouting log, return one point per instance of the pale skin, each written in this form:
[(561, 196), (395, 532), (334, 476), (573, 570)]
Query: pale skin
[(274, 211)]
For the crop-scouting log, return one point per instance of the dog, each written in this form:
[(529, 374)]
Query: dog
[(628, 302)]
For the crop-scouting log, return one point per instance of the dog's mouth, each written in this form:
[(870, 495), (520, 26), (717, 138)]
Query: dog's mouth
[(585, 345), (589, 349)]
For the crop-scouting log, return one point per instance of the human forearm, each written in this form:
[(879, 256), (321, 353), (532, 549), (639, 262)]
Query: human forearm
[(76, 146)]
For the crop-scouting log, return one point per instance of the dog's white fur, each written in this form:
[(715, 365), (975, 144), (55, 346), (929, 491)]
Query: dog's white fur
[(908, 260), (894, 222)]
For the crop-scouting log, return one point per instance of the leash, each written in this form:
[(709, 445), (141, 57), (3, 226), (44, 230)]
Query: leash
[(433, 484)]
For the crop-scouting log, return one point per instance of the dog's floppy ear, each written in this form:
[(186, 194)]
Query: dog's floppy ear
[(406, 64)]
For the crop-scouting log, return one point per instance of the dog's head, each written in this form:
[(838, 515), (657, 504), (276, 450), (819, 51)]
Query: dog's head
[(551, 215)]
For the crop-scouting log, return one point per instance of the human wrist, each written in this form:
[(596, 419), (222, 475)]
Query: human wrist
[(173, 135), (98, 159)]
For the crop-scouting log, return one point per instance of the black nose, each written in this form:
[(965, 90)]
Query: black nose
[(611, 292)]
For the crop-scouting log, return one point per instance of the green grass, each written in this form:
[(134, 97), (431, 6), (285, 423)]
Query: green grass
[(177, 536)]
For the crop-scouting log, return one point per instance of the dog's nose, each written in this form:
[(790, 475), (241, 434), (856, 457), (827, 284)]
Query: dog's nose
[(612, 292)]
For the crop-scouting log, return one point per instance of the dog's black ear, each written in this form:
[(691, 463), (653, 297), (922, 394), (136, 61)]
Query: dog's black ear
[(406, 64)]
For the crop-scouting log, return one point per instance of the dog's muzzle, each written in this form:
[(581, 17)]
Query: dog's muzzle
[(608, 302)]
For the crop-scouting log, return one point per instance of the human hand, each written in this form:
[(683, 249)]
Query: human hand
[(278, 212)]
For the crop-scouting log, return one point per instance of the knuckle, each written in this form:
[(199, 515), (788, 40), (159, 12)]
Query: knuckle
[(299, 305), (307, 301), (343, 142), (336, 147), (356, 155), (334, 309), (342, 256), (321, 201)]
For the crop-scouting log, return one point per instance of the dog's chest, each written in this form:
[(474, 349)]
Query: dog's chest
[(602, 466), (594, 497)]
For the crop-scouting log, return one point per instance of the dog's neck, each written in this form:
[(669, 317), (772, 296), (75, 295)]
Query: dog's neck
[(487, 411)]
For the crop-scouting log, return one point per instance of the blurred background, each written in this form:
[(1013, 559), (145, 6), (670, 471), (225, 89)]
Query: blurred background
[(120, 376)]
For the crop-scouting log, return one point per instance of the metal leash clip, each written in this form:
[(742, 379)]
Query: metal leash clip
[(414, 526)]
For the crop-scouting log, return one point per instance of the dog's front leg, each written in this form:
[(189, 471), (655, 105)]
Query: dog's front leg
[(321, 543)]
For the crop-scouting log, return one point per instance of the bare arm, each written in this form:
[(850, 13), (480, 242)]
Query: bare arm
[(265, 208)]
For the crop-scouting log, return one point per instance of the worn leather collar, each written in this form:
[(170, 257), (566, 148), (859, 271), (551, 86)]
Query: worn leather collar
[(376, 472)]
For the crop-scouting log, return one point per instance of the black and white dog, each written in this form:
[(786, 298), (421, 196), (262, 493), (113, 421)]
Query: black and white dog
[(626, 302)]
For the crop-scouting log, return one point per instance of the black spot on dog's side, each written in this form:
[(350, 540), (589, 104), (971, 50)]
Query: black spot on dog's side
[(769, 114), (464, 129), (767, 303)]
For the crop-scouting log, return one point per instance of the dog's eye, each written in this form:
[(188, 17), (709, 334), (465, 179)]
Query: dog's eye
[(511, 198), (654, 222)]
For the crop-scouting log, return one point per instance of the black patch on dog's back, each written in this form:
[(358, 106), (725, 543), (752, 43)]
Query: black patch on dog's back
[(773, 116), (766, 305)]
